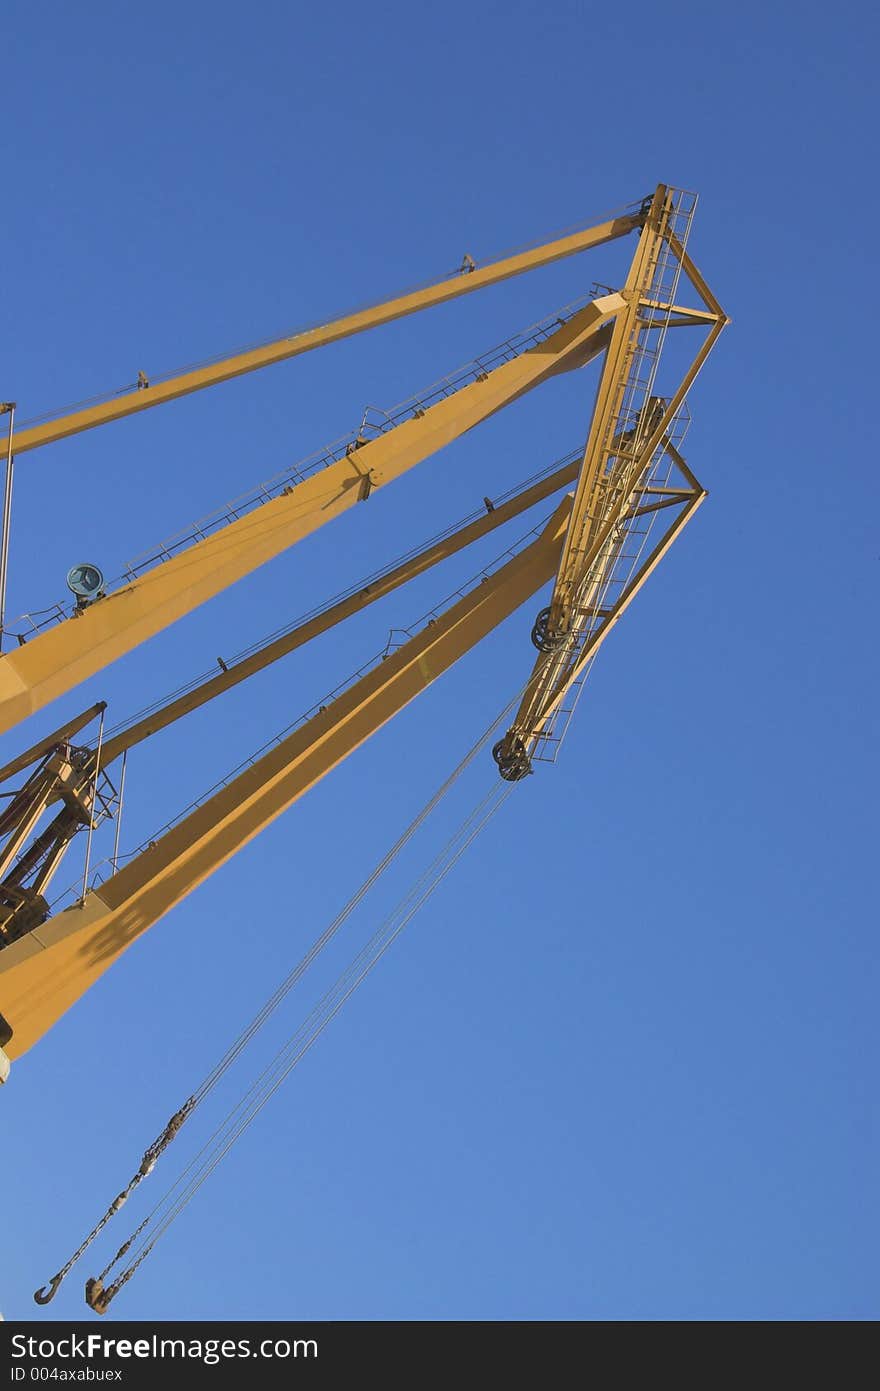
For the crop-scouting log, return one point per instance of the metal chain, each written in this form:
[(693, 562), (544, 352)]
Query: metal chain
[(98, 1296), (153, 1152), (147, 1164)]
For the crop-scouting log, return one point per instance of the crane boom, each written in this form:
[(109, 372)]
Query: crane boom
[(607, 410), (62, 656), (233, 674), (78, 776), (462, 283), (595, 549), (45, 971)]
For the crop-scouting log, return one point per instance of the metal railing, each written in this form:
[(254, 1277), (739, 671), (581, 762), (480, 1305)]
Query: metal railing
[(375, 422)]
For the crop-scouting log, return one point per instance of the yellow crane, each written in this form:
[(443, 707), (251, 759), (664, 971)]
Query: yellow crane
[(596, 550)]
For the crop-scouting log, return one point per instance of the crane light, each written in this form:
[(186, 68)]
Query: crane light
[(85, 581)]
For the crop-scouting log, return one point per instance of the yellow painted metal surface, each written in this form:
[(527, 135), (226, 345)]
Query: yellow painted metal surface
[(336, 613), (184, 384), (62, 656), (592, 646), (64, 732), (608, 399), (45, 972), (613, 465)]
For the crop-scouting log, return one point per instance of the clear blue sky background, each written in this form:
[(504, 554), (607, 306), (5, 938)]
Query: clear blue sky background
[(624, 1065)]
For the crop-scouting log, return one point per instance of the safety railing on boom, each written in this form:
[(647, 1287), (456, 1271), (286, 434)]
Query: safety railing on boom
[(370, 581), (397, 636), (374, 423)]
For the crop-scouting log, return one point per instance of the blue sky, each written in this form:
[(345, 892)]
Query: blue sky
[(622, 1066)]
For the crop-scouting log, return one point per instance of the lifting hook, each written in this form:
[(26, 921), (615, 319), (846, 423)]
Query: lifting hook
[(48, 1292)]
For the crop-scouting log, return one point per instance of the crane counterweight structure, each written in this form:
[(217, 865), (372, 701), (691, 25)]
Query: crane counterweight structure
[(628, 494)]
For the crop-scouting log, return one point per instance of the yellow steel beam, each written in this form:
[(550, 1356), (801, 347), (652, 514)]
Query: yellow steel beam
[(612, 385), (602, 526), (550, 667), (64, 732), (587, 504), (46, 971), (66, 654), (682, 465), (660, 505), (659, 434), (336, 613), (696, 278), (685, 314), (595, 641), (551, 676), (236, 366)]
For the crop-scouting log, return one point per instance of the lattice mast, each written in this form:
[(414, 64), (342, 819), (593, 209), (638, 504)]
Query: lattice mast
[(630, 454)]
